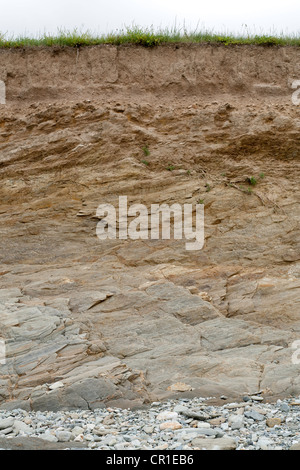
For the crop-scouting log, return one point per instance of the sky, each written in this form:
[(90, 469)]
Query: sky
[(36, 17)]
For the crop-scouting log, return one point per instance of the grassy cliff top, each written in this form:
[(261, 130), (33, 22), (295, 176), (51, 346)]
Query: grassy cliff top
[(147, 38)]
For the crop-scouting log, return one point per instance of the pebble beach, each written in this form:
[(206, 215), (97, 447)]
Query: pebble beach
[(183, 424)]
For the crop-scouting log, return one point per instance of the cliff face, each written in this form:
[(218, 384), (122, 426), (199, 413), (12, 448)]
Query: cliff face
[(86, 321)]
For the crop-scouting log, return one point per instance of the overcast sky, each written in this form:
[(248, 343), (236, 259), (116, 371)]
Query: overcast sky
[(35, 17)]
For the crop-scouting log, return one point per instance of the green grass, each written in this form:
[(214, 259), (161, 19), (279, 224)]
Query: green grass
[(252, 180), (146, 151), (148, 37), (170, 167)]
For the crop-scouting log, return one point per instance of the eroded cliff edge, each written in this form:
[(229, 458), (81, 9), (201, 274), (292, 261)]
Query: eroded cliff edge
[(127, 321)]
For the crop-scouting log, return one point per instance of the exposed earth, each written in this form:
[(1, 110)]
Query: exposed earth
[(123, 323)]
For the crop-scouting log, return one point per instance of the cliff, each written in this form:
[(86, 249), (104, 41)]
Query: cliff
[(88, 321)]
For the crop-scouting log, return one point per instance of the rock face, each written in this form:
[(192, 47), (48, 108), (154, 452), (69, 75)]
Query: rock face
[(88, 322)]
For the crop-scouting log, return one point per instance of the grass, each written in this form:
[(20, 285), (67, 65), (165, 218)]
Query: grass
[(170, 167), (252, 180), (148, 37), (146, 151)]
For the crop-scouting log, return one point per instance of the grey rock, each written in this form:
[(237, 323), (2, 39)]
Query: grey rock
[(64, 436), (284, 407), (236, 421), (206, 431), (35, 443), (20, 426), (264, 443), (148, 429), (48, 436), (86, 394), (214, 444), (7, 431), (16, 404), (198, 415), (254, 415), (6, 423), (295, 446), (181, 409)]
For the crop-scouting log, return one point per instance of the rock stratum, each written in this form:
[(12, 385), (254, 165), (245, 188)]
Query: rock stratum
[(88, 323)]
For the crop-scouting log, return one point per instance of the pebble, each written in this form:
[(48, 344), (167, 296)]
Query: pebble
[(236, 421), (6, 423), (170, 425), (181, 424), (254, 415), (21, 427), (271, 422), (64, 436), (256, 398), (284, 407)]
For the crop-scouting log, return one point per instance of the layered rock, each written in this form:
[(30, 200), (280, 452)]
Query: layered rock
[(88, 322)]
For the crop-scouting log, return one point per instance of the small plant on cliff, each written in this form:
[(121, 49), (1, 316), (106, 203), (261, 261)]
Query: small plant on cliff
[(252, 180), (170, 167), (146, 151)]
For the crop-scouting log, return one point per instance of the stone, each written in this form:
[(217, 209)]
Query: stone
[(172, 425), (148, 429), (35, 443), (6, 431), (256, 398), (271, 422), (20, 426), (284, 407), (164, 415), (254, 415), (264, 443), (77, 430), (217, 421), (295, 446), (236, 421), (85, 394), (48, 436), (6, 423), (64, 436), (197, 415), (56, 385), (180, 387), (180, 409), (207, 431), (214, 444), (202, 424)]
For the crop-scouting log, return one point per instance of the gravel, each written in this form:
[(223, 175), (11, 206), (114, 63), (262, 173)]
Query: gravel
[(172, 425)]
